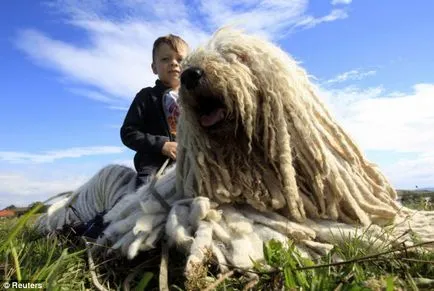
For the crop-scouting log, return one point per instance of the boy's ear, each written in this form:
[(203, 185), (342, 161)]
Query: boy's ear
[(154, 68)]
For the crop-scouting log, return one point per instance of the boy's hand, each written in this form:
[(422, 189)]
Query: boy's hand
[(169, 149)]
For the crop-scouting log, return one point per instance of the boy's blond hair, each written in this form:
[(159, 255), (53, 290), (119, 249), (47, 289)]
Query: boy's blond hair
[(174, 41)]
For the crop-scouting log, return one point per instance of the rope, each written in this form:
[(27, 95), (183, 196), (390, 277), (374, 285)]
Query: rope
[(154, 191)]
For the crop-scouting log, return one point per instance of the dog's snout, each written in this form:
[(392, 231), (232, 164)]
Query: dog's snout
[(190, 77)]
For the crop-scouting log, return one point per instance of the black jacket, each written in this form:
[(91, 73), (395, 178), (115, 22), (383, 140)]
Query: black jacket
[(145, 129)]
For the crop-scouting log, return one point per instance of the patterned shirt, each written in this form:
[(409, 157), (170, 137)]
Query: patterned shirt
[(171, 110)]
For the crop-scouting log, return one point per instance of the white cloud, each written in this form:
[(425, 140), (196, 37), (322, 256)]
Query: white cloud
[(115, 63), (114, 66), (119, 108), (22, 185), (350, 75), (340, 100), (28, 185), (128, 163), (51, 156), (402, 124), (94, 95), (407, 173), (25, 186), (397, 123), (272, 18), (345, 2), (309, 21)]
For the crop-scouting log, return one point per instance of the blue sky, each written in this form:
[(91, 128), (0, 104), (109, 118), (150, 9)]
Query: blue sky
[(70, 68)]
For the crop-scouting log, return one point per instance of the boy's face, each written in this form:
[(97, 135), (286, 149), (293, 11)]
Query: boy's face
[(166, 64)]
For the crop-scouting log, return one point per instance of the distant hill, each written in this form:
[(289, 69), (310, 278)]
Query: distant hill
[(427, 189), (22, 210), (416, 191), (415, 195)]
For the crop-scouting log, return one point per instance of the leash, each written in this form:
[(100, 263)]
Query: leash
[(154, 191)]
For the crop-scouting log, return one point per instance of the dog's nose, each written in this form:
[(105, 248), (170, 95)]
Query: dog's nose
[(191, 76)]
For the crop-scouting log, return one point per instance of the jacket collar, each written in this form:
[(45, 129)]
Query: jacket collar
[(160, 87)]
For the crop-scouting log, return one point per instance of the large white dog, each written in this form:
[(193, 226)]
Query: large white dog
[(259, 158)]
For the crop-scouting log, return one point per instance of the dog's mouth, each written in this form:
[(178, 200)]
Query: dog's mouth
[(211, 111)]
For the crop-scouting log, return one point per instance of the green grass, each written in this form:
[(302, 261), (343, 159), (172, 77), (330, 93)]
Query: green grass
[(61, 263), (388, 267), (27, 256)]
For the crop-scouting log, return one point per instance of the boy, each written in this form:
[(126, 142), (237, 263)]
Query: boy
[(149, 127)]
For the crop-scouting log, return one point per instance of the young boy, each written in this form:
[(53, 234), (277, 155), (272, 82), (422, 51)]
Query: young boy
[(149, 127)]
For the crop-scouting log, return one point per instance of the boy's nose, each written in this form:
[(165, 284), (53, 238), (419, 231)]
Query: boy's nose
[(191, 76)]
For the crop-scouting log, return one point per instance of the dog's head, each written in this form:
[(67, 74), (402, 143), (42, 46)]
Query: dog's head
[(228, 84)]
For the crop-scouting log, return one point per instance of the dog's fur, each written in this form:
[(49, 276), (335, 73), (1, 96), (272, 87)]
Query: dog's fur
[(276, 145), (275, 165)]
